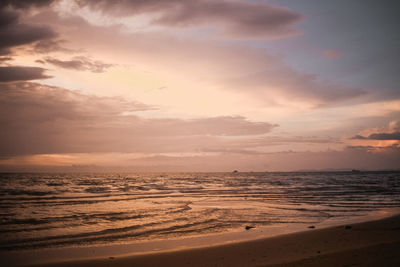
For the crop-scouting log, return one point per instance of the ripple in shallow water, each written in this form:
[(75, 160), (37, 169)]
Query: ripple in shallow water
[(42, 210)]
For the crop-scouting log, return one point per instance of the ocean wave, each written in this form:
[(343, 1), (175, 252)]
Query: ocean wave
[(41, 210), (107, 234)]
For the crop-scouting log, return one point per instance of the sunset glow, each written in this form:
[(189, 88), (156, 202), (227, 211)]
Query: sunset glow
[(198, 85)]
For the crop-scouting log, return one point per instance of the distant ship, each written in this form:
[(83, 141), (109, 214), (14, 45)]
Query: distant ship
[(235, 171), (355, 170)]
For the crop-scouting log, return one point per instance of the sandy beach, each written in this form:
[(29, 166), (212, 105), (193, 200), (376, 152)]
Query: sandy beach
[(374, 243)]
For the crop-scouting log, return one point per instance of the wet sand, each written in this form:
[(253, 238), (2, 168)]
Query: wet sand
[(374, 243)]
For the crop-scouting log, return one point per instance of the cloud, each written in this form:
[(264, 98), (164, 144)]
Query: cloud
[(390, 132), (40, 119), (226, 67), (242, 19), (3, 59), (23, 4), (226, 126), (380, 136), (385, 136), (332, 54), (13, 33), (20, 73), (78, 63), (50, 45), (285, 82), (394, 125), (360, 137)]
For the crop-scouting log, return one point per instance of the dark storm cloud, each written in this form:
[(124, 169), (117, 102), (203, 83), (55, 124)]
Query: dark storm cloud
[(78, 63), (20, 73), (238, 18), (13, 33), (37, 118), (379, 136)]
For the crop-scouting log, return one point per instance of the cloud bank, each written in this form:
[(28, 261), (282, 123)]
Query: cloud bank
[(78, 63), (391, 132), (348, 159), (43, 119), (21, 73), (379, 136), (13, 33), (249, 71), (244, 19)]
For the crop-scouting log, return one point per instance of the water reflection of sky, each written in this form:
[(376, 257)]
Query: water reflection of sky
[(76, 209)]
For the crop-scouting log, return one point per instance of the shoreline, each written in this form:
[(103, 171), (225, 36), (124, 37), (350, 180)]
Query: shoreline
[(297, 244)]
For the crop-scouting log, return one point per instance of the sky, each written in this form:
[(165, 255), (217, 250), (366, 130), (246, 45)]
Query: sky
[(199, 85)]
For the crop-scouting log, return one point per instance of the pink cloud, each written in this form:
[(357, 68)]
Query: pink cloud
[(40, 119), (243, 19), (251, 71)]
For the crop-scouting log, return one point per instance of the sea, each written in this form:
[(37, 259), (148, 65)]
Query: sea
[(47, 210)]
